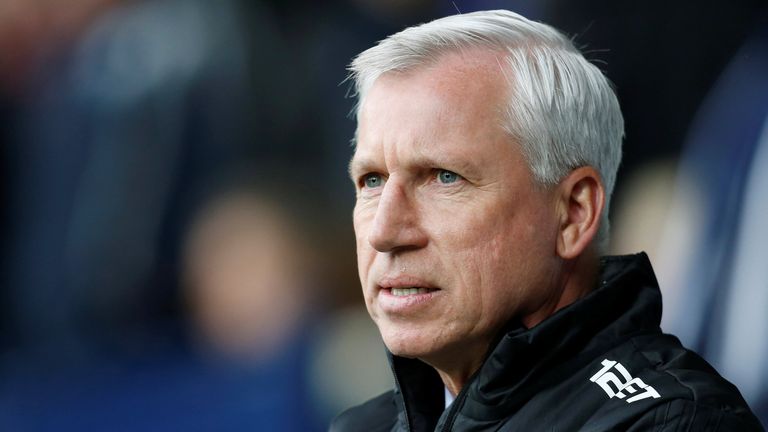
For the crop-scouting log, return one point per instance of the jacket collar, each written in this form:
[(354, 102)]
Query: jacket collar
[(626, 302)]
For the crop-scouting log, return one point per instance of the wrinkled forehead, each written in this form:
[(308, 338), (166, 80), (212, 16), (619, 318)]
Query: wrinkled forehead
[(476, 77), (451, 69), (447, 114)]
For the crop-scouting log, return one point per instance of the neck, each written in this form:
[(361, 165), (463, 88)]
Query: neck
[(456, 377), (455, 368)]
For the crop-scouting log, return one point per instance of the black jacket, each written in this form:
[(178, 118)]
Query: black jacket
[(600, 364)]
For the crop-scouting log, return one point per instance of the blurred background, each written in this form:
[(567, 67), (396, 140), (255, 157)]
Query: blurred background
[(176, 241)]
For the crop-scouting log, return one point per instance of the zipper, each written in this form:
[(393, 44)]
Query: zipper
[(402, 395), (454, 411)]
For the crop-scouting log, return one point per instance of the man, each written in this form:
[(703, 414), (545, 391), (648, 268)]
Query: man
[(487, 149)]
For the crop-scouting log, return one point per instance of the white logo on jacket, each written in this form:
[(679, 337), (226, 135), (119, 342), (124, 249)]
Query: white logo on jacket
[(607, 380)]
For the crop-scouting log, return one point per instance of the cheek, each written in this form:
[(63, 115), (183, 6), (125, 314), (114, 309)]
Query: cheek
[(498, 267), (365, 257), (477, 262), (365, 253), (361, 224), (494, 260)]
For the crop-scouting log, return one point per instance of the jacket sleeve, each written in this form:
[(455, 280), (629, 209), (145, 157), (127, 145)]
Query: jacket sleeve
[(684, 415)]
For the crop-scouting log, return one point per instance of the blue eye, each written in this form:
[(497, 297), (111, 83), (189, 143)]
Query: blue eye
[(372, 180), (446, 177)]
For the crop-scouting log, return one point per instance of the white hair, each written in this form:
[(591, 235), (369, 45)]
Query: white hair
[(561, 108)]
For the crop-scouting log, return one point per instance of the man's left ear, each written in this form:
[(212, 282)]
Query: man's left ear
[(581, 198)]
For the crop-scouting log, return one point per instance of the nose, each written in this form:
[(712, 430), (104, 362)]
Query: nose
[(396, 224)]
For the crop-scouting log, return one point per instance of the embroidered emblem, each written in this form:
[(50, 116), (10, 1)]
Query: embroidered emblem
[(624, 384)]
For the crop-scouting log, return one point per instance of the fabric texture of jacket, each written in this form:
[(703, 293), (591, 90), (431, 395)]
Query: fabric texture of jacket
[(599, 364)]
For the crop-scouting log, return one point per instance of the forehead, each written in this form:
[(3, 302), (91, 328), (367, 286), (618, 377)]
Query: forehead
[(450, 78), (460, 97)]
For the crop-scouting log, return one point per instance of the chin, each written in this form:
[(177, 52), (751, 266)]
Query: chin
[(404, 349), (410, 343)]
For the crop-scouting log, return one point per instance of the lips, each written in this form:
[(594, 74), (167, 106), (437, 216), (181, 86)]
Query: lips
[(402, 285), (405, 294)]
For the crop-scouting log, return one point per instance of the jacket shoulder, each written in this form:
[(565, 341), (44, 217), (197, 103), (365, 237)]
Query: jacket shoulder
[(684, 415), (376, 415), (697, 396), (651, 382), (689, 376)]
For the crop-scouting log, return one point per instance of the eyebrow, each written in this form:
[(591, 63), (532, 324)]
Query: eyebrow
[(357, 164), (464, 167), (467, 168)]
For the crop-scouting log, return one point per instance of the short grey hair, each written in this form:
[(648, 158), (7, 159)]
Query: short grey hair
[(561, 109)]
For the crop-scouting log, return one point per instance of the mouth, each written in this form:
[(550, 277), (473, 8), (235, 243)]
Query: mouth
[(407, 300), (408, 291), (406, 295), (405, 285)]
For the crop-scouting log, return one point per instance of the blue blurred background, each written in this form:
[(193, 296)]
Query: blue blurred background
[(176, 240)]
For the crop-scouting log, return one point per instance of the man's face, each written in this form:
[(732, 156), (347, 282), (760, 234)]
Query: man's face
[(454, 238)]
